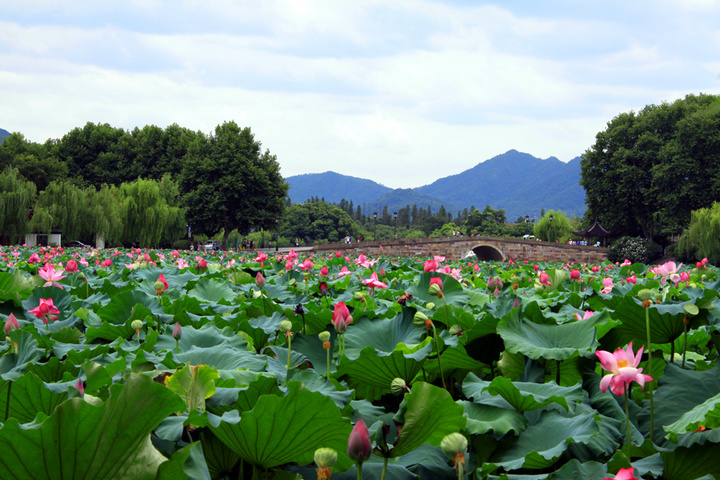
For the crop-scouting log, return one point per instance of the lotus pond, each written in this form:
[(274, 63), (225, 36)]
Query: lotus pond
[(139, 364)]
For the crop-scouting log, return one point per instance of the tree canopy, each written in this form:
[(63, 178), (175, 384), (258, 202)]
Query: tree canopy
[(228, 183), (648, 170)]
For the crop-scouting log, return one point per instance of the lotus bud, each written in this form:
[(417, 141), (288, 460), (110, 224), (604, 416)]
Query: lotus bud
[(136, 324), (430, 305), (491, 283), (516, 303), (259, 280), (177, 331), (11, 324), (419, 319), (359, 446), (324, 336), (285, 325), (398, 386)]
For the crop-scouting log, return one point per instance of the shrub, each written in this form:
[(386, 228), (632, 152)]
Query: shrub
[(183, 244), (634, 249)]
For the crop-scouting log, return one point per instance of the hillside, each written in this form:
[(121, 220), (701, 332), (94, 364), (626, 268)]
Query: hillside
[(334, 187), (3, 133)]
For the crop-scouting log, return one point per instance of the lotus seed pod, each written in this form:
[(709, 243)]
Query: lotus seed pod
[(453, 444), (285, 325), (419, 319), (136, 324), (455, 329), (358, 296), (434, 289), (397, 386), (325, 457), (324, 336), (159, 286), (644, 294)]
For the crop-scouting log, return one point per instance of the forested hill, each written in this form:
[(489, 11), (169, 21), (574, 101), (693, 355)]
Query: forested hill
[(516, 182), (3, 133)]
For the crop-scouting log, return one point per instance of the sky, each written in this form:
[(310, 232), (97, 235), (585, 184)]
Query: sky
[(400, 92)]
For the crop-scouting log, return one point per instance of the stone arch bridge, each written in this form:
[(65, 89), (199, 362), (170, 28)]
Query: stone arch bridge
[(485, 248)]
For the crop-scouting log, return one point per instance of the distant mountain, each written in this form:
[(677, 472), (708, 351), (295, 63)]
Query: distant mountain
[(334, 187), (3, 133), (517, 182)]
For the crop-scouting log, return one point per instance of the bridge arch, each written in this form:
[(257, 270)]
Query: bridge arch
[(487, 253)]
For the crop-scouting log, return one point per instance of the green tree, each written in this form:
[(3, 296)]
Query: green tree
[(228, 183), (33, 161), (148, 218), (700, 240), (317, 221), (648, 170), (552, 230), (17, 196), (66, 204)]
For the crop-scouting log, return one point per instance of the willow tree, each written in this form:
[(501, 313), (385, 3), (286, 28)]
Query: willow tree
[(228, 183), (148, 219), (67, 206), (553, 226), (17, 196), (700, 239), (103, 213)]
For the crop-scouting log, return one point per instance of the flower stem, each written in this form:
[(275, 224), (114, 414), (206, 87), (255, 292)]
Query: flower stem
[(650, 372), (685, 332), (627, 421), (7, 404), (289, 342), (328, 365), (359, 470), (437, 346), (384, 470)]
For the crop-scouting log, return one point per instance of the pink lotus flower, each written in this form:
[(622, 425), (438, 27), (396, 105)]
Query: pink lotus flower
[(608, 284), (632, 279), (292, 255), (624, 474), (587, 314), (684, 276), (46, 310), (439, 258), (436, 281), (324, 271), (595, 269), (359, 446), (544, 279), (626, 263), (289, 265), (668, 270), (341, 317), (430, 266), (202, 263), (344, 271), (107, 262), (622, 366), (262, 258), (306, 265), (34, 258), (71, 266), (181, 263), (575, 274), (338, 254), (79, 386), (374, 281), (51, 275)]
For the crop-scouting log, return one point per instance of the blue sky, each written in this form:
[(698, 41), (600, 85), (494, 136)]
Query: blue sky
[(399, 92)]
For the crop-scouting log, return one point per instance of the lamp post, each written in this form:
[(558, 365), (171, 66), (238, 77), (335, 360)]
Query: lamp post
[(395, 220), (375, 226), (552, 237), (277, 234)]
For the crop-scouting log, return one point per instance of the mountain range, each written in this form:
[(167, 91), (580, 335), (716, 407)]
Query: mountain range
[(517, 182), (3, 133)]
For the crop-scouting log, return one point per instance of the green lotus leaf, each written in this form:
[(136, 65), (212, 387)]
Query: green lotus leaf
[(686, 397), (129, 305), (109, 331), (15, 286), (384, 335), (13, 365), (212, 291), (541, 444), (487, 418), (525, 396), (79, 440), (219, 458), (692, 463), (281, 430), (552, 342), (98, 376), (666, 321), (186, 463), (245, 397), (430, 415), (315, 383), (193, 383), (371, 373), (27, 396), (574, 470), (53, 370)]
